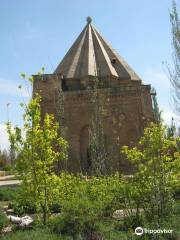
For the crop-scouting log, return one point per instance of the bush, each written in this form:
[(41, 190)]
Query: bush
[(156, 159), (8, 194), (3, 220), (55, 208), (84, 201), (36, 234), (176, 190), (177, 207), (21, 204), (24, 208), (8, 168), (110, 230), (17, 201)]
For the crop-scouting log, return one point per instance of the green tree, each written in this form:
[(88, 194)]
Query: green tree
[(59, 108), (38, 148), (175, 73), (91, 200), (171, 129), (156, 111), (4, 158), (157, 163), (97, 146)]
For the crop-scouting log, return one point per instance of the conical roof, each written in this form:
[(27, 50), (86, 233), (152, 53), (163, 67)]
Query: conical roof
[(91, 55)]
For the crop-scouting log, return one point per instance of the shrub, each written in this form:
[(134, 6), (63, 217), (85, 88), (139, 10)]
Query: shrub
[(22, 204), (3, 220), (111, 230), (8, 194), (177, 207), (84, 201), (8, 168), (35, 234), (156, 159), (24, 208), (55, 208)]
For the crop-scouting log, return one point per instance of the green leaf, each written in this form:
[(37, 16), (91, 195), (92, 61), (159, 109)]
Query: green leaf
[(23, 75)]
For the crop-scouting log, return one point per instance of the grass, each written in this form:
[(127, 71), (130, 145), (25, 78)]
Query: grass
[(8, 193), (176, 222), (45, 234), (177, 207), (110, 230), (36, 234)]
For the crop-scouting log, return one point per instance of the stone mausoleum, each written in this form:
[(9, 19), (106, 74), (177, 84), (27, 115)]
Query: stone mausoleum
[(127, 107)]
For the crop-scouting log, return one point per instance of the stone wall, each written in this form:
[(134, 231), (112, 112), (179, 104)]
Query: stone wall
[(126, 110)]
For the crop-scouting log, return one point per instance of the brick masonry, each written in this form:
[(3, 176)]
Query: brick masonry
[(127, 109)]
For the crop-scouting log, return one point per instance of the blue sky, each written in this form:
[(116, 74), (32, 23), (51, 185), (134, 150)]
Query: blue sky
[(39, 33)]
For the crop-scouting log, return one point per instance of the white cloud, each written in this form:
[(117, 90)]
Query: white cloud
[(4, 142)]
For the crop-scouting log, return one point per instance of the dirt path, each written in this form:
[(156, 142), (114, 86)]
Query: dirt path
[(9, 183)]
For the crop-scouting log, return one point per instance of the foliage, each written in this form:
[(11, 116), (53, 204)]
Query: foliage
[(8, 194), (9, 169), (59, 112), (23, 206), (55, 208), (97, 152), (111, 230), (36, 234), (84, 201), (176, 218), (175, 73), (3, 220), (157, 162), (156, 111), (4, 159), (171, 130), (37, 152)]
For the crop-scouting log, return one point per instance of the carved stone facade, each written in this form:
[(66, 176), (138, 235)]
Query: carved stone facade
[(126, 101)]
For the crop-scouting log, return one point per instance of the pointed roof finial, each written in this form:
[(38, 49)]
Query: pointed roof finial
[(89, 19)]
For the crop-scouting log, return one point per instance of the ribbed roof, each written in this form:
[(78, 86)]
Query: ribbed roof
[(91, 55)]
